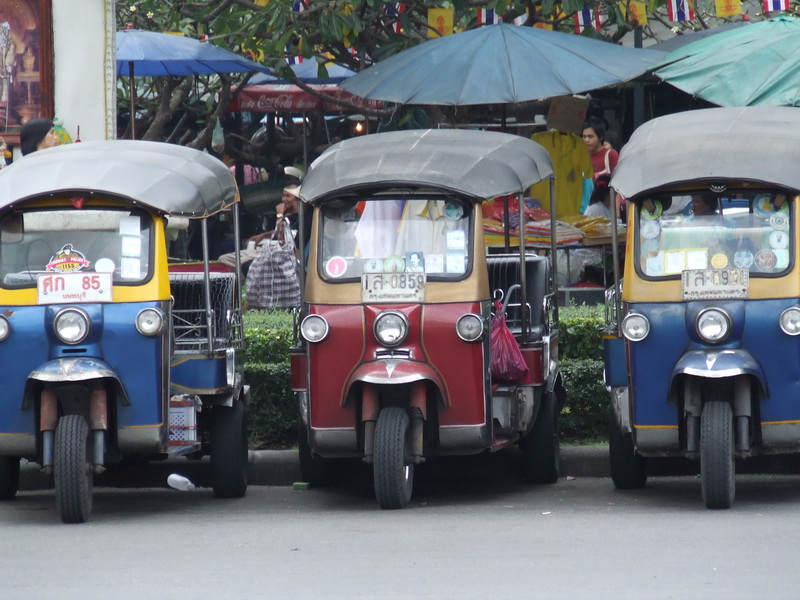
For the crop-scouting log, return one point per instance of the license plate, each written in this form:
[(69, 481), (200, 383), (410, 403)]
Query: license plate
[(715, 284), (393, 287), (63, 288)]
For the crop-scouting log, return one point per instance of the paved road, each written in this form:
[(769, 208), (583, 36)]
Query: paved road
[(462, 537)]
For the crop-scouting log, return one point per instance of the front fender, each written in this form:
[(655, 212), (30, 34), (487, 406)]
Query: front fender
[(75, 369), (393, 371), (719, 364)]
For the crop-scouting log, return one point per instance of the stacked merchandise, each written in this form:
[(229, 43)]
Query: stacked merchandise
[(537, 226)]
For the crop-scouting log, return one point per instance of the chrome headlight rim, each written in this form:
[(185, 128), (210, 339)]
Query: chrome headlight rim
[(629, 327), (151, 315), (381, 321), (462, 323), (790, 327), (702, 331), (312, 334), (82, 320), (5, 328)]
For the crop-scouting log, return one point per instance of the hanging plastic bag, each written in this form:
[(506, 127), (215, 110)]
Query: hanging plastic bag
[(586, 195), (507, 363), (218, 138)]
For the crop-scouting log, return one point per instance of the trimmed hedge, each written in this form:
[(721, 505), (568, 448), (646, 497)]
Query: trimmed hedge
[(273, 409)]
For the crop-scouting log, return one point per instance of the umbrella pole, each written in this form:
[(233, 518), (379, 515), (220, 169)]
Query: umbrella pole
[(133, 100)]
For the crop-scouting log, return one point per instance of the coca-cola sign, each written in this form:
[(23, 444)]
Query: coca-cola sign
[(290, 98)]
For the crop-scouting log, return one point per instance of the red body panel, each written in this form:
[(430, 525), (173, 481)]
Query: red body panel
[(432, 351)]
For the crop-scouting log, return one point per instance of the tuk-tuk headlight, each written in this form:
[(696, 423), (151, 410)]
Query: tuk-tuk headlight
[(314, 328), (713, 325), (635, 327), (790, 321), (5, 328), (469, 327), (391, 328), (71, 325), (150, 322)]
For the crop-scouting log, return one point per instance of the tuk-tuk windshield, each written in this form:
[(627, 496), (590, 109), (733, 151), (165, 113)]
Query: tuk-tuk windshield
[(69, 240), (418, 235), (747, 229)]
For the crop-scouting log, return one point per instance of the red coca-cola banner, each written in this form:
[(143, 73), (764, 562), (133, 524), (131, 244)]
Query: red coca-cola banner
[(290, 98)]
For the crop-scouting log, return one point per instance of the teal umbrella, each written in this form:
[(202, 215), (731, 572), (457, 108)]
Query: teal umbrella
[(499, 64), (748, 66)]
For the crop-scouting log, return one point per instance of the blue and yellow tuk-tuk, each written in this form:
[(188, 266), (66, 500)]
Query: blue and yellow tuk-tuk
[(392, 361), (702, 353), (109, 352)]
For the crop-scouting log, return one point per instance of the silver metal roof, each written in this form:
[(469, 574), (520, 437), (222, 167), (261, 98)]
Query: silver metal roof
[(477, 164), (758, 143), (168, 178)]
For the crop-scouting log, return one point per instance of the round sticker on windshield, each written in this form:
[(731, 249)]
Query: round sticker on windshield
[(655, 213), (778, 240), (779, 221), (766, 260), (394, 264), (453, 211), (336, 267), (743, 259), (650, 229), (719, 260), (763, 203), (373, 265)]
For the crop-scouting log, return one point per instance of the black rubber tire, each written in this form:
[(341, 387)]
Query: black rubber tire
[(541, 448), (229, 452), (717, 457), (72, 468), (9, 477), (316, 471), (628, 469), (393, 468)]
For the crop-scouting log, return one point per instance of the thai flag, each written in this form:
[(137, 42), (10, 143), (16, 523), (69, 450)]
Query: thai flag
[(292, 60), (586, 17), (487, 16), (773, 5), (395, 10), (681, 10), (299, 6), (520, 20)]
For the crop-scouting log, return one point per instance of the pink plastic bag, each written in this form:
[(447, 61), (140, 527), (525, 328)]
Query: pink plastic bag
[(507, 363)]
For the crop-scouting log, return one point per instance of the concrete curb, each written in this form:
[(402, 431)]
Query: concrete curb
[(277, 468)]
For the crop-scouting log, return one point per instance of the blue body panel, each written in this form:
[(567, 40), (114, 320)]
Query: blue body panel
[(199, 374), (756, 331), (139, 362)]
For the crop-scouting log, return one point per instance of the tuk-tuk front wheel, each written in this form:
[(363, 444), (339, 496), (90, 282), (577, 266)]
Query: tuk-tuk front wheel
[(393, 468), (9, 477), (717, 466), (628, 469), (229, 451), (541, 448), (72, 468)]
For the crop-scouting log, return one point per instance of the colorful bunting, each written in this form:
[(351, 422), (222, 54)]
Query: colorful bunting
[(775, 5), (395, 10), (487, 16), (680, 10), (440, 21), (728, 8), (587, 17)]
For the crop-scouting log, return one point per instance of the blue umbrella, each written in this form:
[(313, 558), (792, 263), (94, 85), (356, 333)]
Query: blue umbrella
[(307, 72), (500, 64), (155, 54)]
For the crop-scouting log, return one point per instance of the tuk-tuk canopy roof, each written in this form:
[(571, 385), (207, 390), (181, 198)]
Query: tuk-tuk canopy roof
[(758, 144), (167, 178), (478, 164)]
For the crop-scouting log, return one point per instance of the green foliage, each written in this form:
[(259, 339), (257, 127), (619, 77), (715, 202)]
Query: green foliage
[(272, 414), (585, 417), (268, 335), (581, 332)]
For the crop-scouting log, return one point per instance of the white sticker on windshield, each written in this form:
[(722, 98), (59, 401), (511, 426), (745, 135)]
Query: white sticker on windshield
[(130, 268), (456, 240), (456, 263), (434, 263), (129, 225), (131, 246)]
